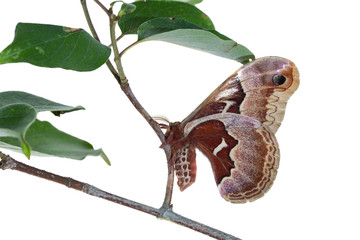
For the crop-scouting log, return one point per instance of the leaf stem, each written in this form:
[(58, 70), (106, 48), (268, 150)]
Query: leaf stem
[(8, 162), (120, 37), (128, 47)]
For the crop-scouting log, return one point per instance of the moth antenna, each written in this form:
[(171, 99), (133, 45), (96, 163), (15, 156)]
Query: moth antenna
[(163, 126), (162, 119)]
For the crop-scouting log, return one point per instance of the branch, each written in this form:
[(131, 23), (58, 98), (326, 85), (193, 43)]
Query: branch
[(124, 84), (8, 162), (166, 209)]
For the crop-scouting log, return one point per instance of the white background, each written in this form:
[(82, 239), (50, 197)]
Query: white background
[(316, 194)]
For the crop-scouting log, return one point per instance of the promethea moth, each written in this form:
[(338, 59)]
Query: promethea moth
[(235, 128)]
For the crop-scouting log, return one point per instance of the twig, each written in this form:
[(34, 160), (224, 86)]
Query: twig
[(166, 209), (102, 7), (96, 36), (122, 80), (170, 180), (8, 162), (124, 84), (117, 59), (88, 20)]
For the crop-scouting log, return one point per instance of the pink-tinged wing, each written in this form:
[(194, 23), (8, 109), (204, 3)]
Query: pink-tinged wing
[(243, 153), (259, 89)]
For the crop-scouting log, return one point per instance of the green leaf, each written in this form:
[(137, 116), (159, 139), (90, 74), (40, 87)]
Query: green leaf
[(15, 119), (187, 1), (38, 103), (55, 46), (20, 130), (114, 2), (184, 33), (162, 25), (26, 149), (46, 139), (126, 8), (148, 10)]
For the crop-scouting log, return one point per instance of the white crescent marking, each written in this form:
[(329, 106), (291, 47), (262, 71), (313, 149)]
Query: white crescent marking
[(222, 145), (228, 105)]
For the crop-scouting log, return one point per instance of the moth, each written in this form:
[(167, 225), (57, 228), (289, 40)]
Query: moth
[(235, 129)]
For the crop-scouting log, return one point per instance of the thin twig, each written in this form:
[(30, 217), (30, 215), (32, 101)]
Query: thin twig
[(128, 92), (88, 20), (122, 80), (126, 87), (169, 187), (103, 7), (96, 36), (117, 59), (155, 126), (8, 162)]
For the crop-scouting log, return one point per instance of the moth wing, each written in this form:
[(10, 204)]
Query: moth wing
[(243, 153), (252, 91)]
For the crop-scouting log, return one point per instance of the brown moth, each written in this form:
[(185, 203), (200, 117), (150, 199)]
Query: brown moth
[(235, 128)]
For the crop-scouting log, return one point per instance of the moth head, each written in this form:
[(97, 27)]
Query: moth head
[(173, 133)]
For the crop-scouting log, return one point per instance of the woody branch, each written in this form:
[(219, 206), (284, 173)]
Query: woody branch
[(8, 162)]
